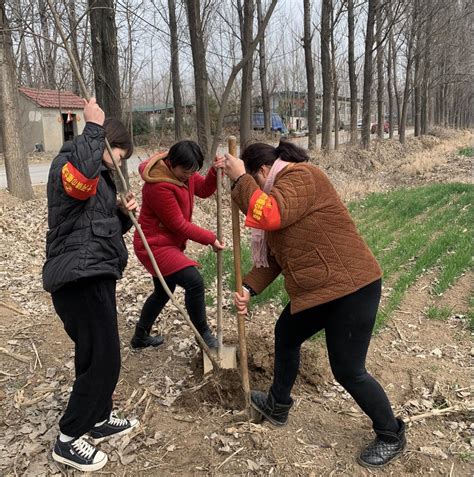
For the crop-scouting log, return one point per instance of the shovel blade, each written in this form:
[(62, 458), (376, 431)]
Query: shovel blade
[(228, 359)]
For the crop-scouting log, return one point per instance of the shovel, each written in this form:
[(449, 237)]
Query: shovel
[(226, 355)]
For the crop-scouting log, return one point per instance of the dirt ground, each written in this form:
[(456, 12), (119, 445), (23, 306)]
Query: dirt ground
[(193, 425)]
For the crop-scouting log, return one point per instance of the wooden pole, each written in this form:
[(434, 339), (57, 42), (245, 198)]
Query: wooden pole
[(220, 267), (232, 143)]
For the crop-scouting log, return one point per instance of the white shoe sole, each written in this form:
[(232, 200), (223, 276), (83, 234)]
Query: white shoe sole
[(84, 468), (94, 442)]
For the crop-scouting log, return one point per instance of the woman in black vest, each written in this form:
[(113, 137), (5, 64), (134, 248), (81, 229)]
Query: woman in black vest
[(85, 255)]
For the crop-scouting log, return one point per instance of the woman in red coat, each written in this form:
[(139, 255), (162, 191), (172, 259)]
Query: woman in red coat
[(171, 182)]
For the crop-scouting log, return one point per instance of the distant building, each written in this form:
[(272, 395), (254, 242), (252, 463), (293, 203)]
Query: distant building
[(160, 112), (48, 118), (292, 106)]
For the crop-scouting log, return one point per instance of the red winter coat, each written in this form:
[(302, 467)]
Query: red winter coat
[(166, 213)]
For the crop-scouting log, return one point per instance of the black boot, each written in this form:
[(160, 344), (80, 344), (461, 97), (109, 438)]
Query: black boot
[(209, 338), (384, 448), (142, 339), (266, 405)]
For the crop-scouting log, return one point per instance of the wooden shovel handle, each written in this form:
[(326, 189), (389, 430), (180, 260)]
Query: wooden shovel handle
[(232, 142), (220, 263)]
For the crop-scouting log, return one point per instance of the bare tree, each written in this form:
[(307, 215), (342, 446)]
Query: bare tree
[(390, 85), (246, 18), (235, 71), (352, 70), (24, 66), (326, 72), (368, 61), (175, 76), (308, 55), (48, 60), (267, 124), (105, 60), (16, 162), (200, 74), (71, 10), (380, 77), (410, 40)]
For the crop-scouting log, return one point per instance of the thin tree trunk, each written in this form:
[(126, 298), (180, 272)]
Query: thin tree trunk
[(175, 74), (267, 123), (246, 15), (16, 162), (390, 88), (335, 84), (326, 73), (406, 93), (130, 74), (308, 56), (352, 71), (417, 79), (425, 89), (203, 121), (49, 73), (380, 78), (368, 61), (105, 61), (71, 6), (395, 85), (24, 67)]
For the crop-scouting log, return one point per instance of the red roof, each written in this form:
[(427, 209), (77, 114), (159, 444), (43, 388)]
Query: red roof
[(49, 98)]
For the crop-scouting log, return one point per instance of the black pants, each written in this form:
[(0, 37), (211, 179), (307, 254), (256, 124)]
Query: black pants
[(348, 324), (88, 311), (189, 279)]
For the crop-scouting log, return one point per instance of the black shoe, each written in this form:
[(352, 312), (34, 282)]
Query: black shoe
[(209, 339), (79, 454), (266, 405), (113, 427), (142, 339), (384, 448)]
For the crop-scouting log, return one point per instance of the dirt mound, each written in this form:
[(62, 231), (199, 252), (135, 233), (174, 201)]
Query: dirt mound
[(224, 389)]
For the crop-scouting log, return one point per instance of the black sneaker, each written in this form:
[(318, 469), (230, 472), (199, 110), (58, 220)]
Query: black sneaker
[(114, 426), (79, 454)]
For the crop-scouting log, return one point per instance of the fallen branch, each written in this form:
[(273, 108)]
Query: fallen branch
[(228, 458), (440, 412), (16, 356), (10, 375), (29, 402), (38, 360), (13, 308), (130, 399)]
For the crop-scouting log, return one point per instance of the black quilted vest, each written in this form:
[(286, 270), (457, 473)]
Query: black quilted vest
[(85, 236)]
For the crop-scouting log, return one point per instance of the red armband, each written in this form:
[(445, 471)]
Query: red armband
[(76, 184), (263, 212)]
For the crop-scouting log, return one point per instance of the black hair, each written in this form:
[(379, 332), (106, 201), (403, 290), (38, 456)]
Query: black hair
[(260, 154), (118, 136), (187, 154)]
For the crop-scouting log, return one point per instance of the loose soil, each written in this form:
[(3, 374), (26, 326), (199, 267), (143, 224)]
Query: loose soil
[(193, 425)]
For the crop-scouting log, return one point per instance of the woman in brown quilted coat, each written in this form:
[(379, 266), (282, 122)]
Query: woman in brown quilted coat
[(301, 229)]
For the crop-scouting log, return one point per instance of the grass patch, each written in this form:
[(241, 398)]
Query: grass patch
[(413, 230), (439, 313), (409, 230), (467, 151), (275, 291)]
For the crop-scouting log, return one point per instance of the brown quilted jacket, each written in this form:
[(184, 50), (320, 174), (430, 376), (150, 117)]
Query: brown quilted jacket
[(317, 247)]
